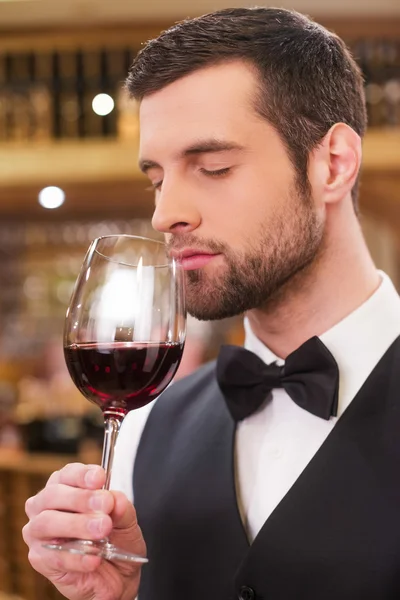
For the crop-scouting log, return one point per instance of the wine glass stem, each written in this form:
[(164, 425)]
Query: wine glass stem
[(112, 426)]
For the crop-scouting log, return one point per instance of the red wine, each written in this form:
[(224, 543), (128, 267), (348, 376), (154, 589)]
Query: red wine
[(122, 376)]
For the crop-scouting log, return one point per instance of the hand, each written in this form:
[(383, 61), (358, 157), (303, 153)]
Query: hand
[(72, 505)]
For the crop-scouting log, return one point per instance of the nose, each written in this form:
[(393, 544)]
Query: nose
[(176, 210)]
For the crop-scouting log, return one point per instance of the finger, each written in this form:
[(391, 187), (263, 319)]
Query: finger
[(52, 524), (67, 498), (74, 475), (82, 476), (124, 513), (54, 478), (51, 563), (125, 525)]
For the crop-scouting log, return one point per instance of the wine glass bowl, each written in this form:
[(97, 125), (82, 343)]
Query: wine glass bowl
[(125, 327), (123, 340)]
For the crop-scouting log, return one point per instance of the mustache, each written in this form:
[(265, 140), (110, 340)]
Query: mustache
[(178, 243)]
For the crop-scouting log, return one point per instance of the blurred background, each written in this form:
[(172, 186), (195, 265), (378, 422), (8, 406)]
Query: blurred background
[(68, 173)]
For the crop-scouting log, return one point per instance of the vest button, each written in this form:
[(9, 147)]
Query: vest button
[(246, 593)]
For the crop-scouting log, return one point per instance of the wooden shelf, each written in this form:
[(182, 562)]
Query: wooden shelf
[(21, 476), (56, 163), (33, 464), (381, 151), (102, 176), (354, 18), (114, 160)]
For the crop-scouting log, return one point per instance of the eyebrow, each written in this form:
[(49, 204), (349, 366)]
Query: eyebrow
[(200, 147)]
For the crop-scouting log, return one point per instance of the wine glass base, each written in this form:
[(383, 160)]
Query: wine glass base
[(101, 548)]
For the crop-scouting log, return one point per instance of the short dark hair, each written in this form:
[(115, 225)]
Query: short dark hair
[(308, 78)]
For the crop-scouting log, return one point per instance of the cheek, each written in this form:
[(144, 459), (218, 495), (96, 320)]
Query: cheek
[(236, 210), (237, 225)]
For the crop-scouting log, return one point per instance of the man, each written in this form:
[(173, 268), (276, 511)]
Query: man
[(251, 124)]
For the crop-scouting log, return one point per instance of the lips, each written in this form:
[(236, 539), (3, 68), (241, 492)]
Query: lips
[(191, 258)]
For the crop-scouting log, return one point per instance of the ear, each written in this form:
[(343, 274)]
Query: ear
[(335, 164)]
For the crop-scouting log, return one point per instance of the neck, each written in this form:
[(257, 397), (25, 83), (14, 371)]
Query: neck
[(337, 283)]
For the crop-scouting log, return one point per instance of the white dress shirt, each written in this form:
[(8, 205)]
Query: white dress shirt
[(275, 444)]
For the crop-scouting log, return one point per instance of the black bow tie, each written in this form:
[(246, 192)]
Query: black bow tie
[(310, 376)]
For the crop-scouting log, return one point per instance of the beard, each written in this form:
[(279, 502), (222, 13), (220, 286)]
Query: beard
[(264, 273)]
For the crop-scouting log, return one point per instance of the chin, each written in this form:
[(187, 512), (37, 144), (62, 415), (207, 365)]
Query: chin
[(211, 274), (204, 306)]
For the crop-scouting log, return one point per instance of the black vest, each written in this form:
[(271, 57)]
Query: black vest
[(334, 536)]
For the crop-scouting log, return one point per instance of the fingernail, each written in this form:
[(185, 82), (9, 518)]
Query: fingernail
[(97, 501), (95, 526), (90, 477)]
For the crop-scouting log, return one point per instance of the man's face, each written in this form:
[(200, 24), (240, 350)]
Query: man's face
[(226, 194)]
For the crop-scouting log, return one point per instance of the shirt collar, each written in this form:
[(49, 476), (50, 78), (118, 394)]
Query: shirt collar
[(357, 342)]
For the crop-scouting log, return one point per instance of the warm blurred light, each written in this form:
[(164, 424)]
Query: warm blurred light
[(374, 93), (64, 291), (35, 287), (51, 197), (103, 104), (392, 90)]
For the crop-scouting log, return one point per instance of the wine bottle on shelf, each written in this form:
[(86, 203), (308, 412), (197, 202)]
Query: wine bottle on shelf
[(3, 100), (80, 92), (378, 106), (391, 86), (128, 57), (363, 55), (56, 93), (397, 79), (93, 126), (41, 97), (20, 122), (116, 66), (69, 99), (107, 86)]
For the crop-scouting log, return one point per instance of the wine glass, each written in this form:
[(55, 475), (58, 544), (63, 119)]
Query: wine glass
[(123, 341)]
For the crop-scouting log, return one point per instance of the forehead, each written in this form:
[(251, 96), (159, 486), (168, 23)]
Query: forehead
[(215, 101)]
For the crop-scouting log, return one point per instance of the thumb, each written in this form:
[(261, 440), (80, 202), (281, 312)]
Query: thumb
[(127, 534), (124, 513)]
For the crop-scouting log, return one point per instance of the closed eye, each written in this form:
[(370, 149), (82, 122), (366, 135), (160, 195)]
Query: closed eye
[(154, 186), (217, 172)]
